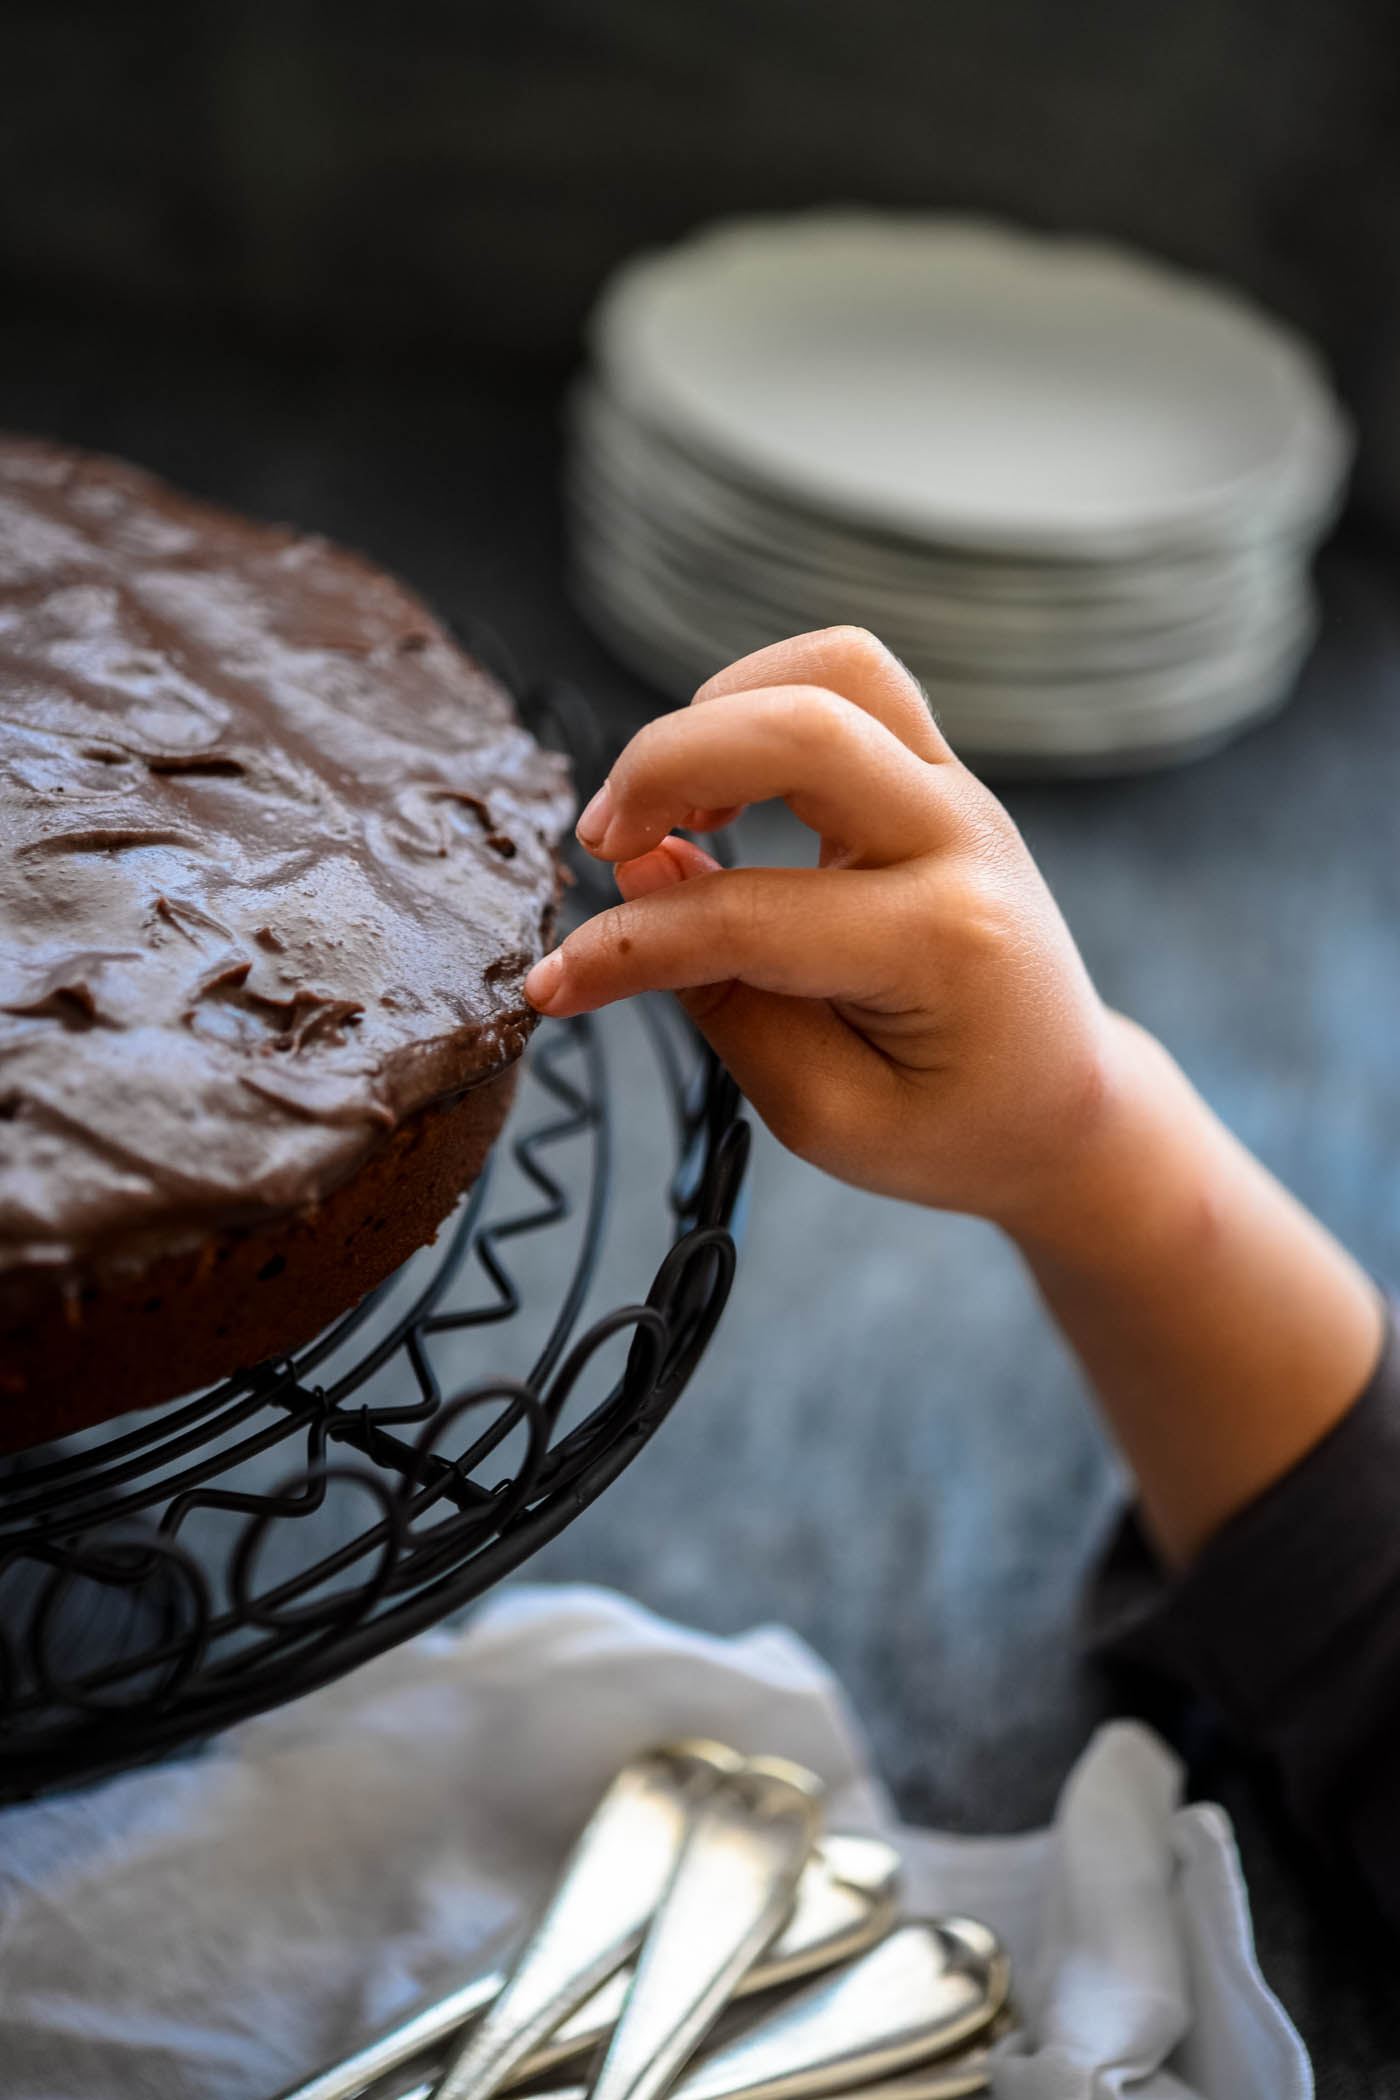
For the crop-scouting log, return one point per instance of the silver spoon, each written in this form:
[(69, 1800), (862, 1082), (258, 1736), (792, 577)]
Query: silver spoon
[(967, 2070), (598, 1913), (846, 1900), (731, 1892), (953, 2077), (950, 2078), (926, 1991)]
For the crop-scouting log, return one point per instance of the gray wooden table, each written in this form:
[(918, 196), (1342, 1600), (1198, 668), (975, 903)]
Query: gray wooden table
[(888, 1448)]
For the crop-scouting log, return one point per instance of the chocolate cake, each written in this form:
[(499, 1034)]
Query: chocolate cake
[(275, 857)]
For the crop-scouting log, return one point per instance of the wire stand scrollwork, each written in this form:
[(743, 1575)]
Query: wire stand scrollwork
[(190, 1567)]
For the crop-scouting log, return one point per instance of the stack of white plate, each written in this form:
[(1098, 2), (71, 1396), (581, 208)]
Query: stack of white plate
[(1076, 491)]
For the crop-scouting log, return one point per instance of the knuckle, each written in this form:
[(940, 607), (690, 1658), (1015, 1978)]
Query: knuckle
[(987, 836), (822, 720), (974, 801), (975, 914), (856, 645)]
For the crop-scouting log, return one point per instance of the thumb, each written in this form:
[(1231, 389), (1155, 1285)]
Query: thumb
[(673, 860)]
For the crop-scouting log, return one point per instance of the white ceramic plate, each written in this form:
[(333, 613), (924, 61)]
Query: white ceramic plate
[(663, 483), (997, 749), (1053, 639), (983, 388), (686, 632)]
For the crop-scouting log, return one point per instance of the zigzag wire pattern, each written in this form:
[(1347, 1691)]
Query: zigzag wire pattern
[(125, 1635)]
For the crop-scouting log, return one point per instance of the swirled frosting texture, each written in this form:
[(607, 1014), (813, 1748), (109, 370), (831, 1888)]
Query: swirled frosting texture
[(274, 859)]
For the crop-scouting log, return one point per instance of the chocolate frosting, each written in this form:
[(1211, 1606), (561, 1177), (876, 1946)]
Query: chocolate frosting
[(274, 859)]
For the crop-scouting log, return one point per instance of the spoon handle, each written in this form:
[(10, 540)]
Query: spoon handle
[(730, 1895), (599, 1911)]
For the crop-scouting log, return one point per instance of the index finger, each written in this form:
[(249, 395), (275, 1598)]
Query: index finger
[(850, 661), (867, 795)]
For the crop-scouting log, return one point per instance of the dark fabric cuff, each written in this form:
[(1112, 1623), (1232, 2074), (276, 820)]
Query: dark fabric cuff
[(1289, 1621), (1314, 1559)]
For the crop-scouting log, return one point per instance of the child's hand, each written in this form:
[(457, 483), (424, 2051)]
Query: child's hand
[(911, 1014)]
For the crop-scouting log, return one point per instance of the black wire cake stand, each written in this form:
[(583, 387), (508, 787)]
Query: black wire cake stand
[(179, 1571)]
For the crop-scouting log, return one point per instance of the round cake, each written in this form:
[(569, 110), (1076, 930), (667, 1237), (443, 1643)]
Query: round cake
[(275, 857)]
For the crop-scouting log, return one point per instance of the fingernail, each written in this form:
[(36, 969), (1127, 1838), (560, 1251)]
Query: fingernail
[(592, 825), (544, 983)]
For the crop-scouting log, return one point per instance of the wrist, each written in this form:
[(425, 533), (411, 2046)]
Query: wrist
[(1143, 1154)]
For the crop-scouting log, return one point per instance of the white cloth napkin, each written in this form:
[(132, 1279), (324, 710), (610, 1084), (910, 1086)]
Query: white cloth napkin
[(215, 1928)]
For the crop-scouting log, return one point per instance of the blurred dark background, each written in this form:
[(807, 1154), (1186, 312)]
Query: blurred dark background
[(456, 178), (328, 261)]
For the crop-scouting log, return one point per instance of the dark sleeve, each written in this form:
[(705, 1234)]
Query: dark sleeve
[(1289, 1621)]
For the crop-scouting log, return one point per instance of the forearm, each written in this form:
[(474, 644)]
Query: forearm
[(1223, 1329)]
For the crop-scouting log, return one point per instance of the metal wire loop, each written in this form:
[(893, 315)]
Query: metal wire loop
[(158, 1527), (133, 1617)]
